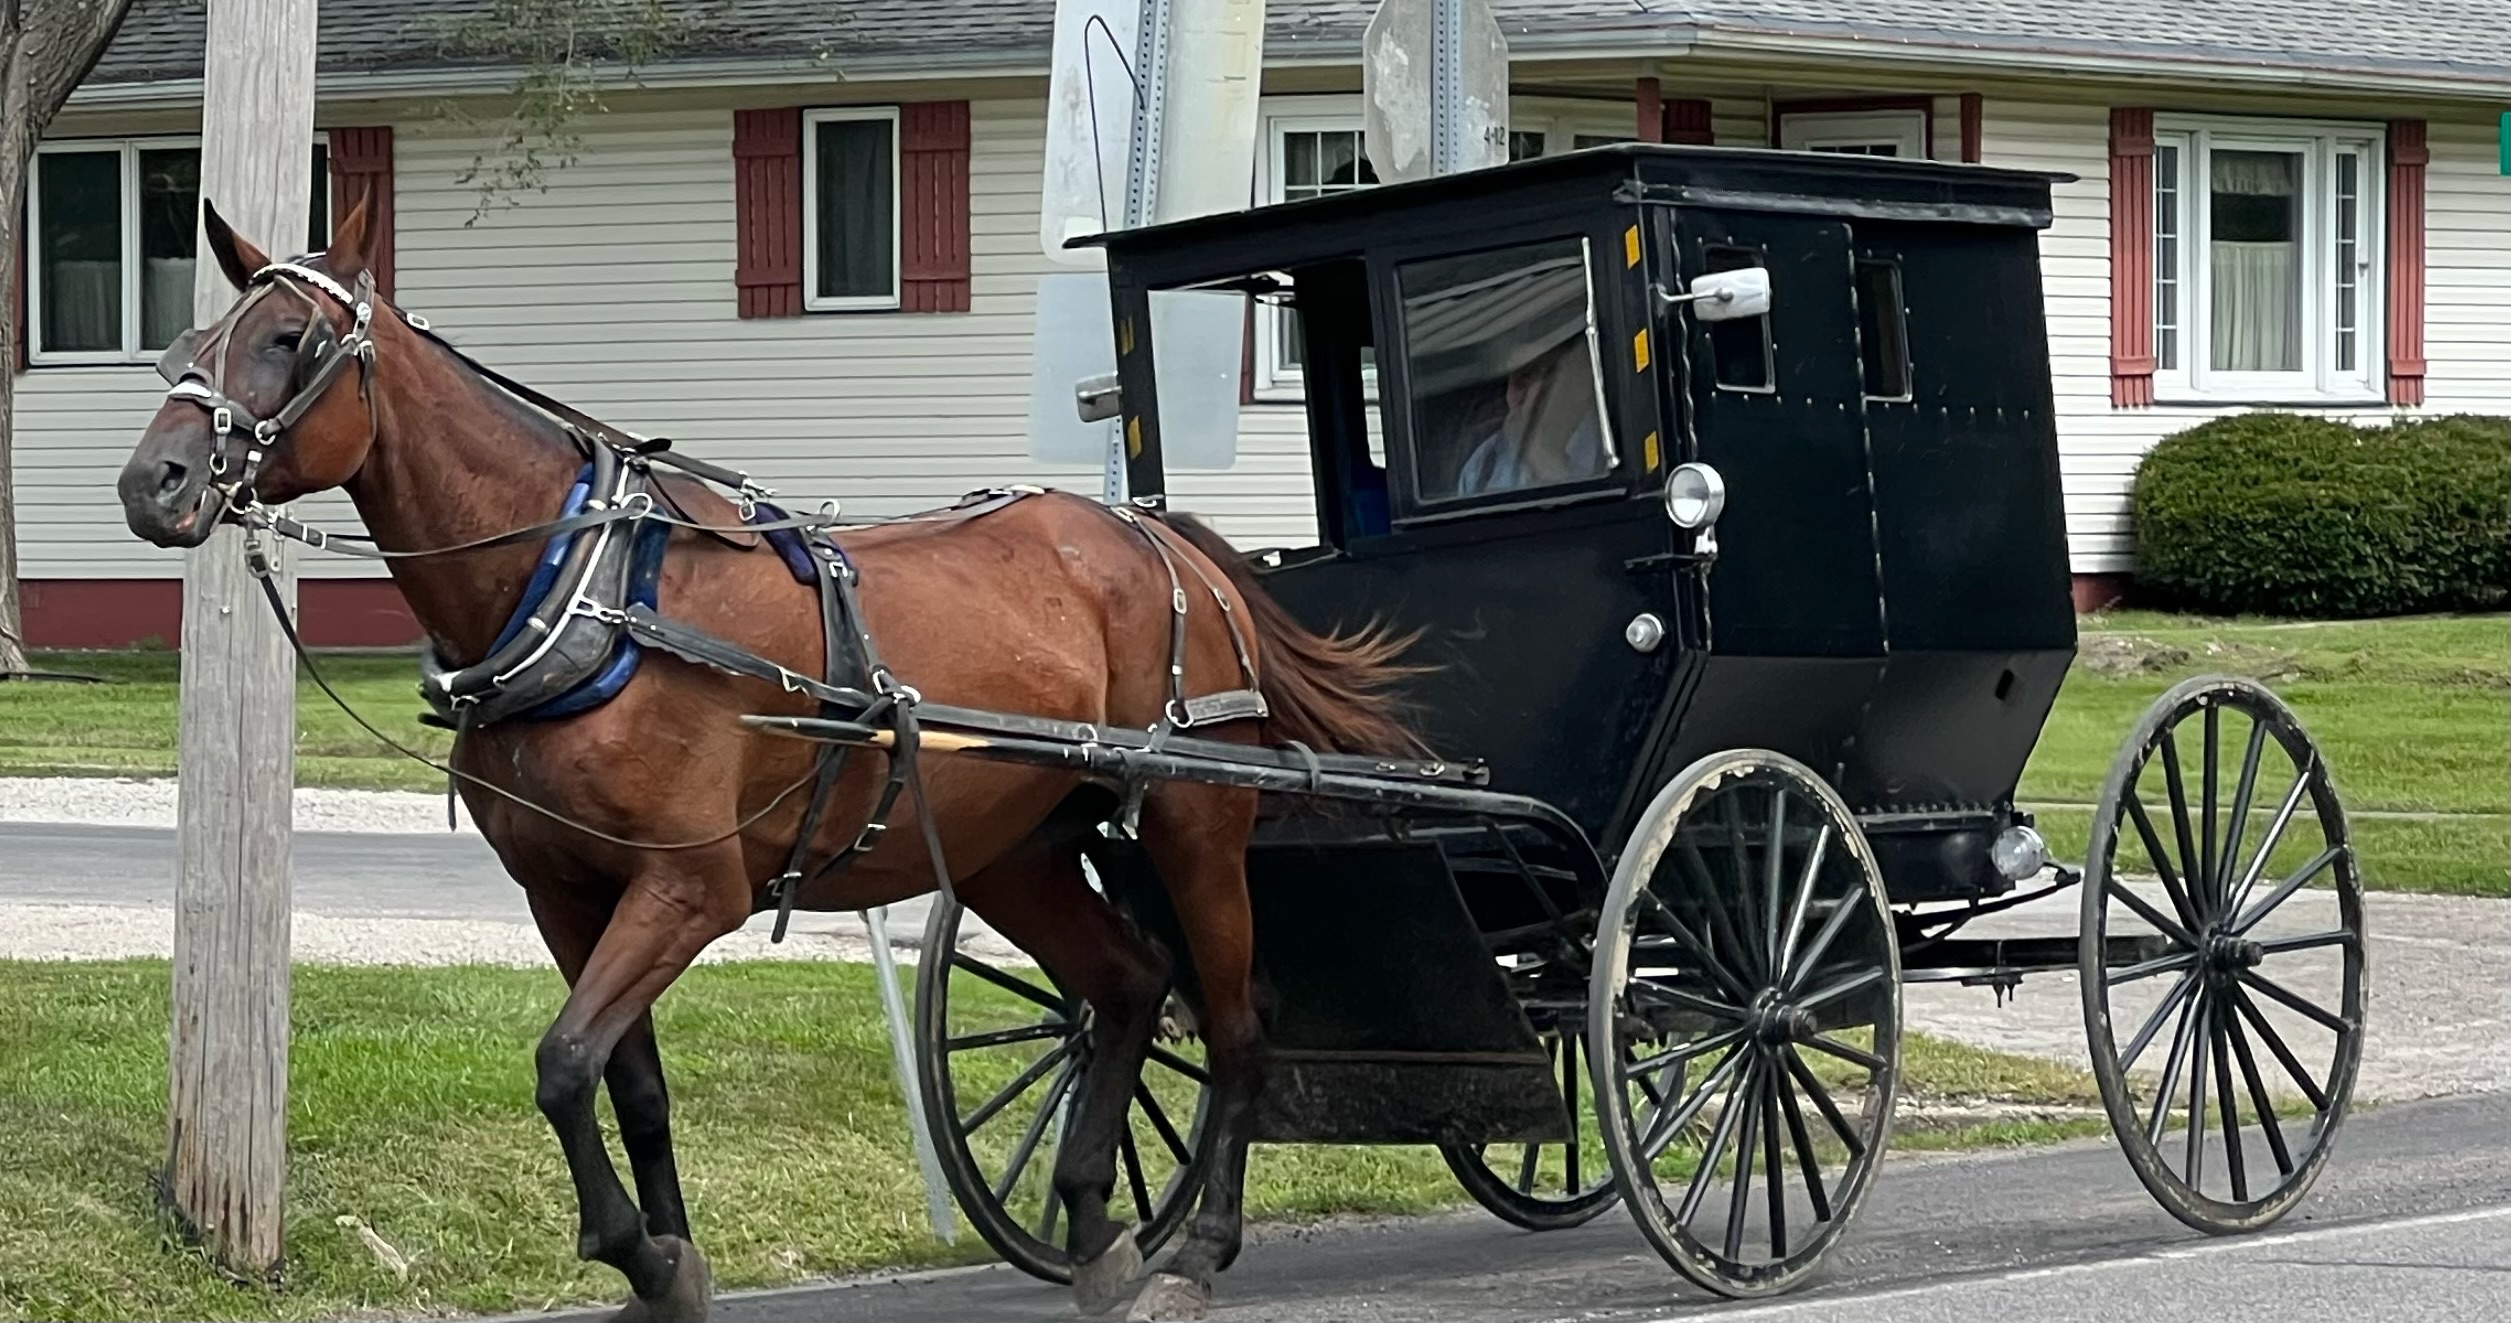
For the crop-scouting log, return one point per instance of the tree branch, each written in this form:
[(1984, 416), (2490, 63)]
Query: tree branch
[(64, 39)]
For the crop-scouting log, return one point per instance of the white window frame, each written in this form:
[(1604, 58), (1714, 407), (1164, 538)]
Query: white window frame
[(2319, 142), (1813, 130), (1276, 383), (128, 149), (812, 301)]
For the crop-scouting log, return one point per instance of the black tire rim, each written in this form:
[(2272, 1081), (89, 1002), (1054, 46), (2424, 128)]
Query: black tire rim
[(1545, 1187), (1000, 1047), (2223, 955), (1749, 1003)]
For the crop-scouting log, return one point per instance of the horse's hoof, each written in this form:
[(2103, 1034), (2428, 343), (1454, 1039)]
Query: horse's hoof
[(1169, 1298), (686, 1299), (1100, 1284)]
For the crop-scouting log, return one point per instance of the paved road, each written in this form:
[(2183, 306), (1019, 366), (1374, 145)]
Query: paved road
[(2409, 1222)]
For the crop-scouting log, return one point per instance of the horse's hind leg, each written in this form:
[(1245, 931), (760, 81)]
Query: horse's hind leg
[(1197, 838), (1037, 898), (660, 925)]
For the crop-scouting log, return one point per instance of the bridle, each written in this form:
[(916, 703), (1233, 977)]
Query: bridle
[(323, 354)]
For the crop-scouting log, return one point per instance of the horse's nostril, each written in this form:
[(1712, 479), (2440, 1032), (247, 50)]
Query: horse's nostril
[(170, 478)]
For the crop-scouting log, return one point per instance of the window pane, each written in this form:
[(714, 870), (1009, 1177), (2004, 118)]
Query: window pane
[(1740, 348), (1882, 330), (2167, 256), (169, 216), (857, 246), (2349, 257), (1503, 382), (2255, 253), (318, 204), (81, 250), (1315, 162), (1523, 145)]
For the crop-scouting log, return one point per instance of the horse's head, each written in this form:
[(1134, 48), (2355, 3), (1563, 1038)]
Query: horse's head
[(266, 404)]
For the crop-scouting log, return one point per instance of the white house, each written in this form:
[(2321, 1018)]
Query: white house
[(807, 244)]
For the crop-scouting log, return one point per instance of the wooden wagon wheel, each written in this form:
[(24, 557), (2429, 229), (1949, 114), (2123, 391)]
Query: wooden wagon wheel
[(2223, 955), (1545, 1187), (1745, 1005), (999, 1048)]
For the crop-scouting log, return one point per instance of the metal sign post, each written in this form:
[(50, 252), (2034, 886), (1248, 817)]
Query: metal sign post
[(902, 1057), (1436, 80)]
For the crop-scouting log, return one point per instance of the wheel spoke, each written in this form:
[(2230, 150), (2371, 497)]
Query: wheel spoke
[(2198, 888), (1805, 1162), (1030, 1137), (1020, 1084), (1688, 1001), (1804, 897), (1849, 907), (2153, 1023), (2145, 910), (1131, 1153), (2171, 1068), (2197, 1081), (1011, 983), (2275, 834), (2161, 859), (2234, 1159), (2177, 960), (2206, 801), (1027, 1033), (1719, 1136), (2305, 942), (2285, 889), (2258, 1097), (1837, 989), (1773, 861), (1774, 1190), (1822, 1102), (2301, 1006), (1182, 1066), (1526, 1169), (1663, 1126), (1722, 925), (1569, 1091), (2239, 824), (1637, 1071), (1158, 1117), (2275, 1044), (1710, 961), (1739, 1201), (1826, 1043)]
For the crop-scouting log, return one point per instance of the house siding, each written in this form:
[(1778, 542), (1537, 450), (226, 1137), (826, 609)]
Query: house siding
[(615, 290)]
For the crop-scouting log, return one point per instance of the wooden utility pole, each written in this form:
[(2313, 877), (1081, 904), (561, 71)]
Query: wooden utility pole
[(227, 1130)]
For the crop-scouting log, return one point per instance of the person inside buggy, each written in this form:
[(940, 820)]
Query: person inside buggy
[(1503, 372)]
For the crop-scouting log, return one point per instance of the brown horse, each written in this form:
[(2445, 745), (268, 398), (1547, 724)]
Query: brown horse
[(1048, 606)]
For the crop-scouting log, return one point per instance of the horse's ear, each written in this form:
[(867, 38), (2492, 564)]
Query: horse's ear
[(236, 255), (348, 254)]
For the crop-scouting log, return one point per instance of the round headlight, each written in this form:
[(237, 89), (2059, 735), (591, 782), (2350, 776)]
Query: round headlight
[(2018, 852), (1694, 495)]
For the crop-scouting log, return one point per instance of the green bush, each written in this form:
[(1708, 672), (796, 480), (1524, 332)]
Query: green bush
[(2280, 514)]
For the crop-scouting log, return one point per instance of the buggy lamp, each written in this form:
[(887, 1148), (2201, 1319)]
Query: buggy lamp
[(2018, 852), (1694, 496)]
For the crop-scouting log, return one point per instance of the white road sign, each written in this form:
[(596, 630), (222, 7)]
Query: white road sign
[(1436, 73)]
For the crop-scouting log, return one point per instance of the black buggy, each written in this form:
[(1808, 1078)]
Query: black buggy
[(1724, 487)]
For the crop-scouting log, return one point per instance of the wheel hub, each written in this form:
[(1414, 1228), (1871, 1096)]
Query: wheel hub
[(1775, 1021), (2228, 954)]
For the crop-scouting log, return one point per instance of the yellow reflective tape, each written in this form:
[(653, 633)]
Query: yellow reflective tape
[(1124, 336), (1639, 351), (1133, 437), (1630, 246), (1648, 450)]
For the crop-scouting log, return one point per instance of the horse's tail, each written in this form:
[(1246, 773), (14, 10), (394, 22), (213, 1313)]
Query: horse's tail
[(1333, 693)]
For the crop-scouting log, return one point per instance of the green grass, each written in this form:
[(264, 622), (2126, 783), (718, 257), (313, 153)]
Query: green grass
[(410, 1110), (2413, 714)]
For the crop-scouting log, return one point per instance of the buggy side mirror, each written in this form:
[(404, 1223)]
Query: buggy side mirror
[(1721, 296), (1098, 398)]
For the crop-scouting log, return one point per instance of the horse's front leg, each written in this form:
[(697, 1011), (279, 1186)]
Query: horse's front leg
[(643, 1105), (661, 924)]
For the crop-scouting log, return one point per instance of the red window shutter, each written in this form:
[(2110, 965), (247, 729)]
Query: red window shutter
[(1974, 128), (767, 212), (2131, 257), (1690, 120), (1650, 97), (361, 167), (2408, 156), (933, 203)]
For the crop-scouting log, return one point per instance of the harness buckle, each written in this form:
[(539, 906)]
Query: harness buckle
[(222, 420), (867, 838)]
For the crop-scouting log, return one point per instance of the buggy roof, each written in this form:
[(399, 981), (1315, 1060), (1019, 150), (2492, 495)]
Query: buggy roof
[(1575, 185)]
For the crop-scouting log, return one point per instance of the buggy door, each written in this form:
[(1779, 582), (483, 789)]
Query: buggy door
[(1777, 405)]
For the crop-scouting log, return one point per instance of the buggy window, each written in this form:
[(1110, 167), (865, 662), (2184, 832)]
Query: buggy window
[(1501, 368), (1739, 348), (1882, 330)]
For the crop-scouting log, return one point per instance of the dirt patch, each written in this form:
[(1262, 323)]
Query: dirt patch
[(2128, 655)]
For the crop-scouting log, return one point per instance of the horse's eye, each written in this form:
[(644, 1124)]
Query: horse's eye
[(289, 340)]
